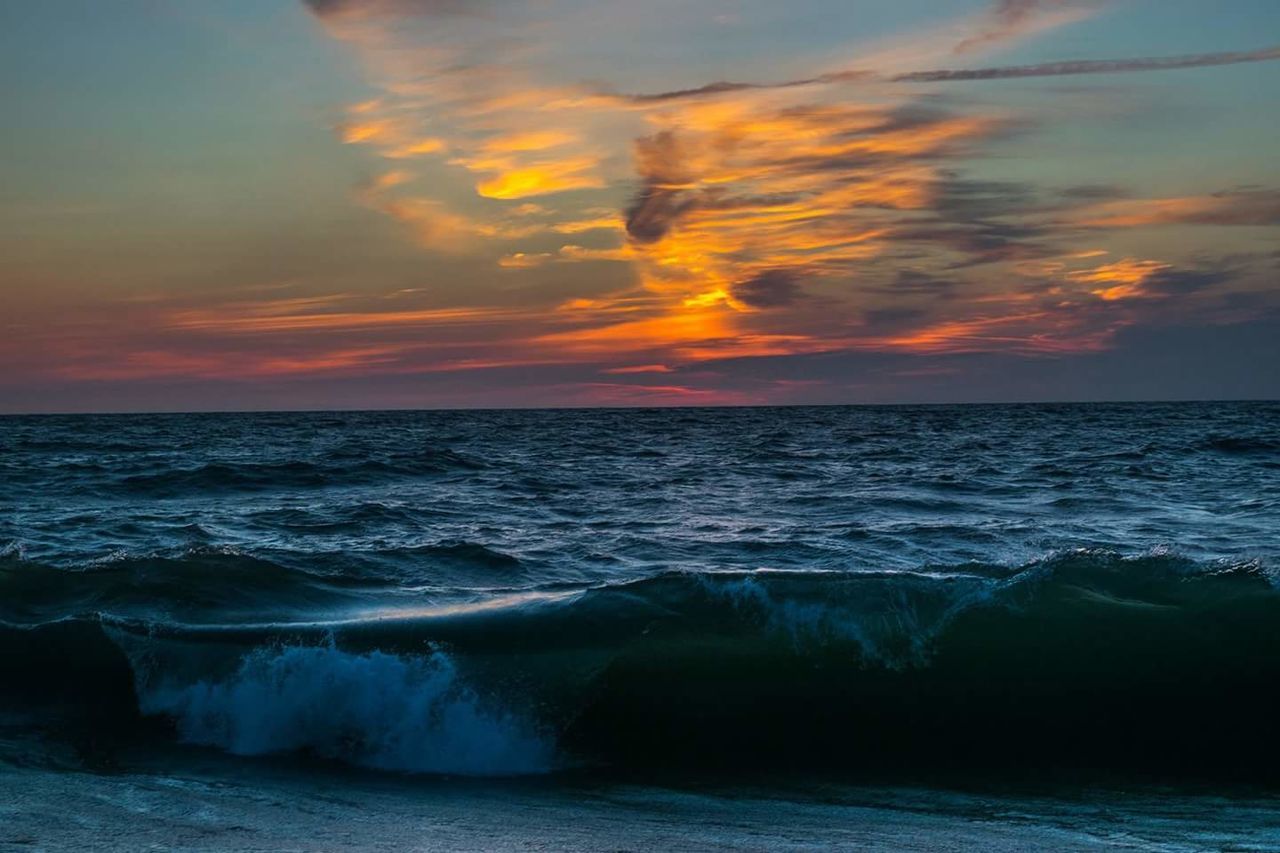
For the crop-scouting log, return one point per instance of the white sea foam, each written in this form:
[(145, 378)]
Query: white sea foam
[(390, 712)]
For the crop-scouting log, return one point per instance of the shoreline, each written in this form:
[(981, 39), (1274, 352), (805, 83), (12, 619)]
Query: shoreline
[(233, 804)]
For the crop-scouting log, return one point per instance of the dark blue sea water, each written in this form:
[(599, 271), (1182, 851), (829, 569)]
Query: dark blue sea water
[(855, 591)]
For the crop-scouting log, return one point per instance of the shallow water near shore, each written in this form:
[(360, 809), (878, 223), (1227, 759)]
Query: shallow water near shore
[(202, 800)]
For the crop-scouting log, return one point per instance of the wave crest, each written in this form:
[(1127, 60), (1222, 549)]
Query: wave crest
[(1143, 661)]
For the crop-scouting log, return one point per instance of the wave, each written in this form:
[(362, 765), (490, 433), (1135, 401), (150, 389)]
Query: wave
[(1153, 661), (216, 585), (456, 554), (198, 585), (296, 473), (1242, 445)]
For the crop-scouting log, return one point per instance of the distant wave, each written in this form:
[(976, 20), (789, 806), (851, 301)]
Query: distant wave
[(1242, 444), (206, 585), (197, 586), (1087, 656), (295, 473)]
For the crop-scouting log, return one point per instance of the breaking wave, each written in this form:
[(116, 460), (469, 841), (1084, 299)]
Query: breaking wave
[(1085, 657)]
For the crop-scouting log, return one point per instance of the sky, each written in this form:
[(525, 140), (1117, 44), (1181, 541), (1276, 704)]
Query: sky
[(350, 204)]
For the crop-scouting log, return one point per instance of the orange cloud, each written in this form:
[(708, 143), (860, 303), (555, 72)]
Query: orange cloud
[(1245, 207), (543, 178), (1123, 279), (610, 221), (638, 368), (169, 363), (622, 394), (528, 140), (250, 318), (1032, 333), (523, 261)]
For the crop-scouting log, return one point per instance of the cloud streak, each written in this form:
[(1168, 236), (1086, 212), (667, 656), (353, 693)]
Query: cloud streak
[(957, 75), (1253, 207), (1090, 66), (331, 9)]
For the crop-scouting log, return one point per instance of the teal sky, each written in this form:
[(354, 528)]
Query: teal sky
[(418, 203)]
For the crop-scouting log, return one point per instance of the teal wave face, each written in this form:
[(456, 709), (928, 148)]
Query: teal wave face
[(1153, 661)]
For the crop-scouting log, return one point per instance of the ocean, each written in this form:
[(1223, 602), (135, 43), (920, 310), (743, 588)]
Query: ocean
[(986, 626)]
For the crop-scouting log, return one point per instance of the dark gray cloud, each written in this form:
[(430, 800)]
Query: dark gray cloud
[(1176, 282), (771, 289), (1089, 66), (662, 199), (1240, 207), (980, 241), (334, 8), (721, 87), (1093, 192), (653, 212), (1205, 274), (885, 319), (970, 200), (1007, 72), (328, 7), (915, 283)]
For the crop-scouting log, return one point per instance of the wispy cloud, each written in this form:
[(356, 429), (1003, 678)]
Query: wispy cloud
[(340, 8), (1256, 207), (956, 75), (1090, 66), (1010, 19)]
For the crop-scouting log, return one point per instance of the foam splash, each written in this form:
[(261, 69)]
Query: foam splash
[(388, 712)]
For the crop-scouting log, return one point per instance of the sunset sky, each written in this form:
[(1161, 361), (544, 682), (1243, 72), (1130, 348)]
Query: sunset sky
[(278, 204)]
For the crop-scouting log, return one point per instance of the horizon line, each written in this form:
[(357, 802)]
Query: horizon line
[(607, 408)]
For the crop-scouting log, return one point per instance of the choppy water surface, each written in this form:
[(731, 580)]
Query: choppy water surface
[(521, 499), (519, 592)]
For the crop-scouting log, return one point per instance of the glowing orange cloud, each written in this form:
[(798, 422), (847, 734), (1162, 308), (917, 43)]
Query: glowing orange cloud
[(543, 178), (266, 318), (1121, 280), (638, 368)]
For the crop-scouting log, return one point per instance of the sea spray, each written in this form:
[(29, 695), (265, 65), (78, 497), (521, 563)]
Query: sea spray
[(390, 712)]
